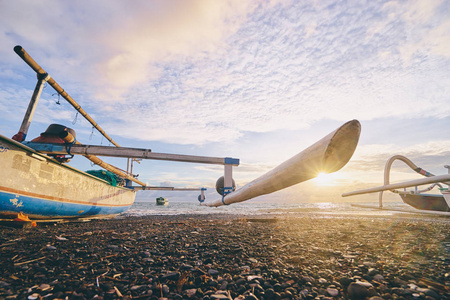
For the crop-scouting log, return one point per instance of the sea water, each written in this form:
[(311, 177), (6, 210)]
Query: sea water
[(255, 208)]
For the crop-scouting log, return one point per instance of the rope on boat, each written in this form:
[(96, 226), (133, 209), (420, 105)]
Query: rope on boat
[(40, 71)]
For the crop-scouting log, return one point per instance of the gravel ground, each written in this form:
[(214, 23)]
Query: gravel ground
[(228, 257)]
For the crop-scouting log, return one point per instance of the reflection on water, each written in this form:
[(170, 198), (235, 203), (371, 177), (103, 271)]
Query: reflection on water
[(327, 205), (259, 208)]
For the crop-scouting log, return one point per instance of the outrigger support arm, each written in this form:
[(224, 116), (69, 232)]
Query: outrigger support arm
[(22, 134), (393, 186), (38, 69), (164, 188), (43, 76), (387, 171), (91, 152), (130, 153)]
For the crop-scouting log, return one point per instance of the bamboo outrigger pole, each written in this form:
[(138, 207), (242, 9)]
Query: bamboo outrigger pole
[(328, 155), (38, 69), (393, 186)]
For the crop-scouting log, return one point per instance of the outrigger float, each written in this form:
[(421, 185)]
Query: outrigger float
[(419, 199), (37, 182)]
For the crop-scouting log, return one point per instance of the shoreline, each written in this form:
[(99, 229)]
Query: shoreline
[(225, 256), (391, 209)]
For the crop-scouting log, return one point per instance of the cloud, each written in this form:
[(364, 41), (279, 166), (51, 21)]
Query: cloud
[(274, 74), (366, 168), (200, 72), (122, 44), (166, 31), (427, 27)]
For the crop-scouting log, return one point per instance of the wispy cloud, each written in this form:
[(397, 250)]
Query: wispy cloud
[(221, 69), (426, 24), (275, 72)]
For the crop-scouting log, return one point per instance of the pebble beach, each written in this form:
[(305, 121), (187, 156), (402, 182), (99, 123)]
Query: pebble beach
[(208, 257)]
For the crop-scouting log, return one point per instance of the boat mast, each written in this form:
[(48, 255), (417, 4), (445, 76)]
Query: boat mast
[(38, 69), (22, 134)]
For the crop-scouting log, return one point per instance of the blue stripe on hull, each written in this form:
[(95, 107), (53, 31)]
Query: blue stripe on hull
[(41, 208)]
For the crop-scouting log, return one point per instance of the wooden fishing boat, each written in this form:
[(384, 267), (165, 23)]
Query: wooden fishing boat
[(416, 198), (36, 181), (42, 188)]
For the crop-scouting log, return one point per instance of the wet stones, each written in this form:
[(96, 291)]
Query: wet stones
[(171, 276), (333, 292), (357, 291), (199, 258), (213, 272)]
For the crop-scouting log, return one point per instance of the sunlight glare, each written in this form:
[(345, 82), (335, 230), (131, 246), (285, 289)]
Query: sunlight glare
[(324, 179)]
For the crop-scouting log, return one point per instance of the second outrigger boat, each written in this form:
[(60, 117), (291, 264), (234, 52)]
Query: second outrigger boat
[(416, 198), (37, 182)]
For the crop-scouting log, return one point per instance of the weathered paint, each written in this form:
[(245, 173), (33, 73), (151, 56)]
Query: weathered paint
[(40, 187)]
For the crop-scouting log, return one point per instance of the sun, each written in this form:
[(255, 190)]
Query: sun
[(324, 179)]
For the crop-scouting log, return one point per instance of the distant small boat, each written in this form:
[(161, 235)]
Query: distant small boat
[(162, 201)]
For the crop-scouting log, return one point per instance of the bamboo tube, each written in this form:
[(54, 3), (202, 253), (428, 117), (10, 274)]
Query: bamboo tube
[(327, 155)]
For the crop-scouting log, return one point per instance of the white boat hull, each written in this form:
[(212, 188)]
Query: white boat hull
[(42, 188)]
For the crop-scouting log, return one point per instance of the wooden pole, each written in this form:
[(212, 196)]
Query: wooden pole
[(38, 69)]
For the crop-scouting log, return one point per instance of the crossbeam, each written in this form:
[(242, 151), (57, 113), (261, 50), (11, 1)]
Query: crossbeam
[(128, 152), (393, 186), (164, 188)]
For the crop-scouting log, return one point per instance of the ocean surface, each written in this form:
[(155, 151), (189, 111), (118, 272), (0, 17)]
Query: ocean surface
[(144, 208)]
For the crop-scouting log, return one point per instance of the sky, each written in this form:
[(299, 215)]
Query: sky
[(254, 80)]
